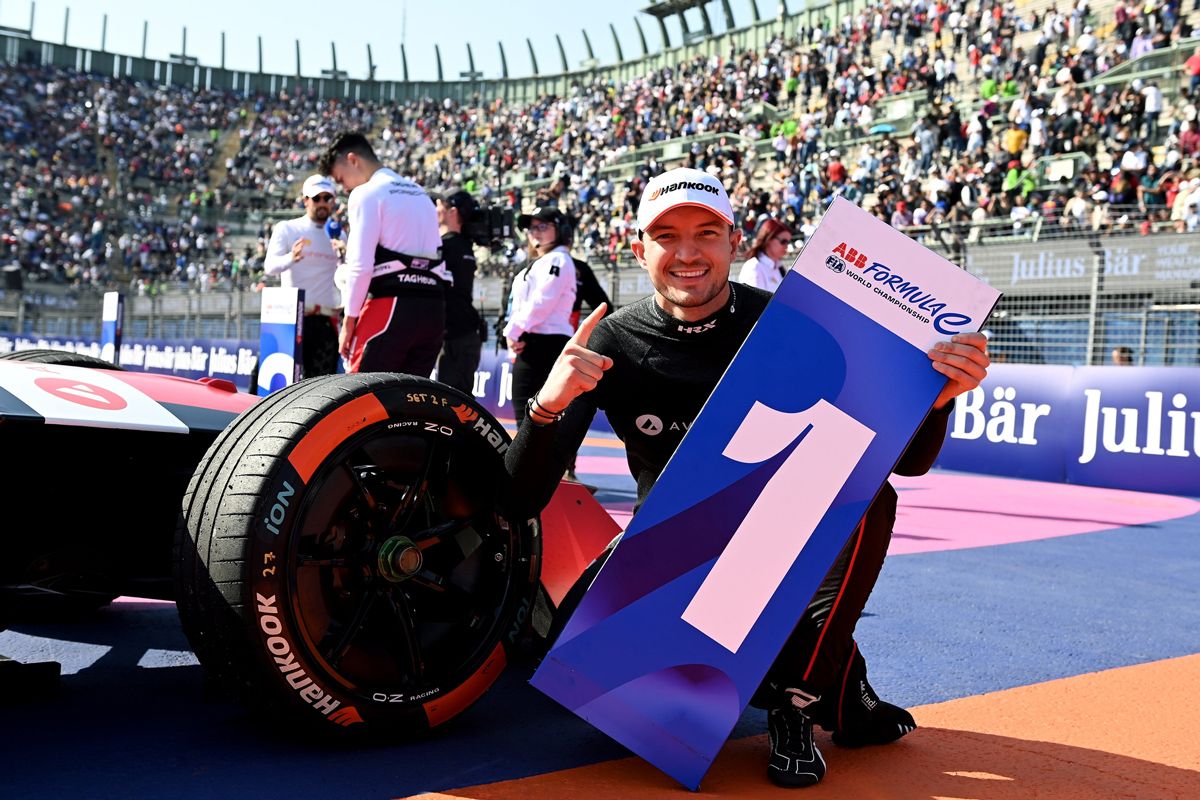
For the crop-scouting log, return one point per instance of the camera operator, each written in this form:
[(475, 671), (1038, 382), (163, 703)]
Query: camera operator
[(464, 340)]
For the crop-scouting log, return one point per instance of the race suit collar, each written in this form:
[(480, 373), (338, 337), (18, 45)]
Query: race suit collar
[(680, 329)]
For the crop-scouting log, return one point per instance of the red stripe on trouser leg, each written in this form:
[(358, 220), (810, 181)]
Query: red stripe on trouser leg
[(842, 694), (815, 655), (841, 591), (373, 320)]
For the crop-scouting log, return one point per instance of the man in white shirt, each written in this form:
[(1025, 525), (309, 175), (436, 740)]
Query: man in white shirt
[(1153, 107), (1086, 42), (394, 295), (1020, 212), (1142, 43), (301, 254), (1136, 158)]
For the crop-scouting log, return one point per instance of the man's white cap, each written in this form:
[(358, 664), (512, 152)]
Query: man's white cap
[(319, 184), (682, 187)]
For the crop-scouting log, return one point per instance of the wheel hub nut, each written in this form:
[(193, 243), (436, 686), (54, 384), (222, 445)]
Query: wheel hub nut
[(399, 559)]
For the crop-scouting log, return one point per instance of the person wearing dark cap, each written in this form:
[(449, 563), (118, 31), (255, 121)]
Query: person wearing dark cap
[(542, 299), (460, 351)]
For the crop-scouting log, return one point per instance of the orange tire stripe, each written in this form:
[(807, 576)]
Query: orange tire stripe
[(456, 700), (332, 431)]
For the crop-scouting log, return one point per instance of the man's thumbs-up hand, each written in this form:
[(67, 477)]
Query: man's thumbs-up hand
[(577, 370)]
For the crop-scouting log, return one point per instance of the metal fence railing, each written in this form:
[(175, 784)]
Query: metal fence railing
[(1068, 299), (1074, 299)]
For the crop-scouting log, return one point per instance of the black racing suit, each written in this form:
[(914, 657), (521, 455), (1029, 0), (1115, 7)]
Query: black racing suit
[(461, 349), (587, 290), (663, 372), (403, 322)]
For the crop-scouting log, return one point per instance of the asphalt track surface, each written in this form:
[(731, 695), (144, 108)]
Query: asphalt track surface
[(1047, 638)]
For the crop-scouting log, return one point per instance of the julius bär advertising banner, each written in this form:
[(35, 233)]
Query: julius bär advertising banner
[(235, 360), (1121, 427), (713, 573), (1005, 427), (229, 359), (1125, 263)]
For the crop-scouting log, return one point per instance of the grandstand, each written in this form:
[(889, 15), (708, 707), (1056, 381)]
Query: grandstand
[(1000, 133)]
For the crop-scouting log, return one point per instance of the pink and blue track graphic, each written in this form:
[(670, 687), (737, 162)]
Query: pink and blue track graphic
[(1046, 636)]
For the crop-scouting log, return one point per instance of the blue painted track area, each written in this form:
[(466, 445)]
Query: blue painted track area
[(131, 718)]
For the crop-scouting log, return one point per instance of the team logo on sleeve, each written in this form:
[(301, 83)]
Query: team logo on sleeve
[(649, 424)]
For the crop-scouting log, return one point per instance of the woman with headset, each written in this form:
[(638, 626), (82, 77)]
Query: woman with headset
[(543, 296)]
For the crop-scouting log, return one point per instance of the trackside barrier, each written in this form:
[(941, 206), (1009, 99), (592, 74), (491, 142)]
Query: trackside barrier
[(112, 321), (236, 360), (1118, 427), (231, 359), (280, 347)]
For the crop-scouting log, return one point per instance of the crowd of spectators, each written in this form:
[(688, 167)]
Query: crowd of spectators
[(86, 163), (996, 94), (106, 176)]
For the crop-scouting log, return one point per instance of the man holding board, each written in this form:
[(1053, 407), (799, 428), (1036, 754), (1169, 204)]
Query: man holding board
[(651, 366)]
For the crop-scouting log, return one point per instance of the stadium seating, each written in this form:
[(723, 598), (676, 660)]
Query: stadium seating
[(115, 180)]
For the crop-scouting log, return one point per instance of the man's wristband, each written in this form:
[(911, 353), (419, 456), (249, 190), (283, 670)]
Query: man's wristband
[(539, 413)]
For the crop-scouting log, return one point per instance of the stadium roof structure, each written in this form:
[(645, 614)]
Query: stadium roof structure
[(661, 9), (21, 33), (183, 68), (664, 8)]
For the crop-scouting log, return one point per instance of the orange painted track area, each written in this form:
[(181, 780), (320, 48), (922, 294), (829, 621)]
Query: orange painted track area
[(1092, 737)]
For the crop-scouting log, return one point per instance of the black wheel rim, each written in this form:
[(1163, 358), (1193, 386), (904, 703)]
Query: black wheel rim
[(400, 567)]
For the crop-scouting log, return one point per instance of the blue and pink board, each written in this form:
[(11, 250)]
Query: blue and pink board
[(679, 628)]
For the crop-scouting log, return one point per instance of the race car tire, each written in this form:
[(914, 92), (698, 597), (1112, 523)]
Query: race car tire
[(345, 559), (59, 357)]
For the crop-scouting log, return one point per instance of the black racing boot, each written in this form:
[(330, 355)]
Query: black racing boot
[(855, 713), (795, 761)]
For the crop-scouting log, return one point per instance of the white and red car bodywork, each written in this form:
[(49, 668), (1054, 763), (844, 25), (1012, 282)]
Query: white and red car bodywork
[(101, 459)]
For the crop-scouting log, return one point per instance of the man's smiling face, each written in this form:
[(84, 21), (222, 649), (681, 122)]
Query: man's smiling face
[(687, 252)]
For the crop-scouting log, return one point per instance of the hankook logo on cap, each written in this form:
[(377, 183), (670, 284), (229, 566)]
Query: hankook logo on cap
[(674, 187), (649, 424)]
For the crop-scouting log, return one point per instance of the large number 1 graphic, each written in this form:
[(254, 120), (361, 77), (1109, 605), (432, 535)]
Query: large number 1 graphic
[(779, 524)]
